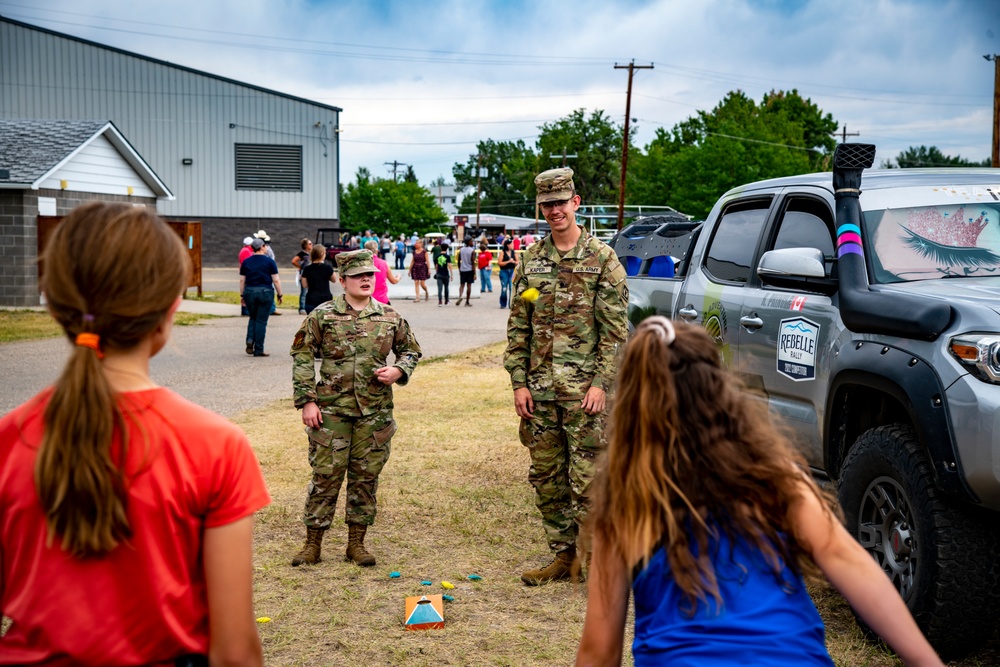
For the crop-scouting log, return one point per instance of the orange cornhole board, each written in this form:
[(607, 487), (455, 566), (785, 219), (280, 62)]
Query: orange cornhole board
[(424, 612)]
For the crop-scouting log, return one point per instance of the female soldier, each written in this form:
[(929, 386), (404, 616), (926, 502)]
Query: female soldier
[(349, 411)]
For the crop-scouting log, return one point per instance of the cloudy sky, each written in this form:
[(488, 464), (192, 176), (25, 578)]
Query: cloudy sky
[(421, 82)]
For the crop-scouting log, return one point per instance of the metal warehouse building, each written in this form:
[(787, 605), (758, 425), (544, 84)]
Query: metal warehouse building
[(237, 157)]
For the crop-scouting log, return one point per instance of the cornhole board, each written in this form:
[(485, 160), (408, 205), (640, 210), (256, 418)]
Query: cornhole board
[(424, 612)]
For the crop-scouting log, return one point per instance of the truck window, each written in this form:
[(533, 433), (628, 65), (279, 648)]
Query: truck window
[(806, 223), (731, 251)]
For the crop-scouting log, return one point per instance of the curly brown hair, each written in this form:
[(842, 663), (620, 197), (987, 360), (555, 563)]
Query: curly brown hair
[(690, 454)]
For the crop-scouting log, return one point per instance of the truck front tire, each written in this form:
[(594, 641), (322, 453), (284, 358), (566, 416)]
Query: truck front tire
[(941, 557)]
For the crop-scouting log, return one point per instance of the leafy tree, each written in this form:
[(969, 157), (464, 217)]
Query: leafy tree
[(410, 176), (924, 156), (596, 141), (507, 185), (737, 142), (384, 205), (817, 128)]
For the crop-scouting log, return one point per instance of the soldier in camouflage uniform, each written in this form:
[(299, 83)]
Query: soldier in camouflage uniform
[(349, 411), (561, 350)]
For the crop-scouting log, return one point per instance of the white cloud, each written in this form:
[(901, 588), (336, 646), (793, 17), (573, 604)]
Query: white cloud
[(901, 72)]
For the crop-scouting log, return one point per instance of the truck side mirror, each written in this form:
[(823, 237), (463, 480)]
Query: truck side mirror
[(796, 268)]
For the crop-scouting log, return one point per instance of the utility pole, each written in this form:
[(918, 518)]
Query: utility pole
[(566, 156), (996, 108), (844, 134), (631, 67), (479, 189), (395, 167)]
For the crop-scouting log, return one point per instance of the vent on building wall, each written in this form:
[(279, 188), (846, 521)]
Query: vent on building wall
[(268, 167)]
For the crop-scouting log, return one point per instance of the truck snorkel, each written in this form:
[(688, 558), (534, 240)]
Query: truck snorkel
[(862, 310)]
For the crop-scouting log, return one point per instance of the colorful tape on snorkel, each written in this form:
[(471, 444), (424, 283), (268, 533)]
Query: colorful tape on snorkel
[(849, 241)]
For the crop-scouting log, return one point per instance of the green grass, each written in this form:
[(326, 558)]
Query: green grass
[(21, 325), (453, 499), (16, 325), (288, 303)]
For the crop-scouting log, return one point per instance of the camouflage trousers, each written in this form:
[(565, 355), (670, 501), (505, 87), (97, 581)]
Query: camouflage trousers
[(357, 447), (563, 441)]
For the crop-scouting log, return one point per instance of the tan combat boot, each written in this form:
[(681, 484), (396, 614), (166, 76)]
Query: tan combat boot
[(310, 552), (356, 546), (561, 567)]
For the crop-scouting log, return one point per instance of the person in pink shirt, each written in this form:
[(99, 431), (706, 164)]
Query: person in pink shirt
[(384, 275), (247, 250), (527, 240)]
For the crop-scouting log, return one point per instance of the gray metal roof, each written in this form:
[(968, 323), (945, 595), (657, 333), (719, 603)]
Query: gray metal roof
[(169, 64), (31, 148)]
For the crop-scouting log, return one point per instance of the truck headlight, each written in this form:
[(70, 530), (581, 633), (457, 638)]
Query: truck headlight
[(980, 353)]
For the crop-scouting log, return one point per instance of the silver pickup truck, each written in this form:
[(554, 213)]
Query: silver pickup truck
[(868, 317)]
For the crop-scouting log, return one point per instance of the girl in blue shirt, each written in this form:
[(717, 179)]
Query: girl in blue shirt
[(702, 509)]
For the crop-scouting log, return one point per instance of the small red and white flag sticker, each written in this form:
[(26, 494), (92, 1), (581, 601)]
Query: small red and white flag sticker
[(798, 302)]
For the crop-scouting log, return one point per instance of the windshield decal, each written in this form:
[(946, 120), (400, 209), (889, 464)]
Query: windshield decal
[(937, 241)]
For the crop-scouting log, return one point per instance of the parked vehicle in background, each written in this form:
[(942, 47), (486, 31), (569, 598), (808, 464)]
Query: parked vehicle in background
[(868, 317), (335, 241)]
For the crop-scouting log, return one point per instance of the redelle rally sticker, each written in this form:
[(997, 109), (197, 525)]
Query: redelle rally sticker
[(797, 348)]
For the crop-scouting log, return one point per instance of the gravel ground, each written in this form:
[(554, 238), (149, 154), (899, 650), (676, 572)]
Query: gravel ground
[(207, 363)]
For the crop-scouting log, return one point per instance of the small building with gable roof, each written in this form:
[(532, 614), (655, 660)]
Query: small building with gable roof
[(238, 157), (47, 168)]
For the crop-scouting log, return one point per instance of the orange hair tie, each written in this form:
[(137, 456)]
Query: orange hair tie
[(91, 340)]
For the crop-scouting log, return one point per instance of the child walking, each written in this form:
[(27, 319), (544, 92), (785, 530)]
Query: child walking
[(704, 510), (443, 274), (126, 511)]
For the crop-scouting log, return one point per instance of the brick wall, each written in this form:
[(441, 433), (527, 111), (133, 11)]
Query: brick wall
[(18, 252), (222, 238), (19, 237)]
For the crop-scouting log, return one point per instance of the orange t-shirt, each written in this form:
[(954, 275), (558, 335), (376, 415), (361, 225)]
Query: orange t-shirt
[(145, 601)]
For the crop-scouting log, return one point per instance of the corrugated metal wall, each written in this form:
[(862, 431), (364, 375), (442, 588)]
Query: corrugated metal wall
[(169, 114)]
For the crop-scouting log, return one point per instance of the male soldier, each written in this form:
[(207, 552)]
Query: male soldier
[(561, 350), (349, 411)]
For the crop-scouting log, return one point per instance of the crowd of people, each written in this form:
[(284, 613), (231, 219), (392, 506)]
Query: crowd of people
[(655, 475)]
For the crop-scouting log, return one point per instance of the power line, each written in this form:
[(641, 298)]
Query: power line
[(295, 40), (521, 61), (748, 139), (454, 57), (480, 97), (732, 77), (431, 143)]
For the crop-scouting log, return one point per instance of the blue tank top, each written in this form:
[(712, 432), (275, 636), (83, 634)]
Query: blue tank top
[(761, 622)]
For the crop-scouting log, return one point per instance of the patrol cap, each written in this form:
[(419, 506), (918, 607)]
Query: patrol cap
[(554, 185), (355, 262)]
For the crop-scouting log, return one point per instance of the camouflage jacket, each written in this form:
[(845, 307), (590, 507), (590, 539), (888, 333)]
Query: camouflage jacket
[(353, 345), (566, 341)]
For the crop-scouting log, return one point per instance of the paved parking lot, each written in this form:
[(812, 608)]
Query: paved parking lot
[(208, 364)]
